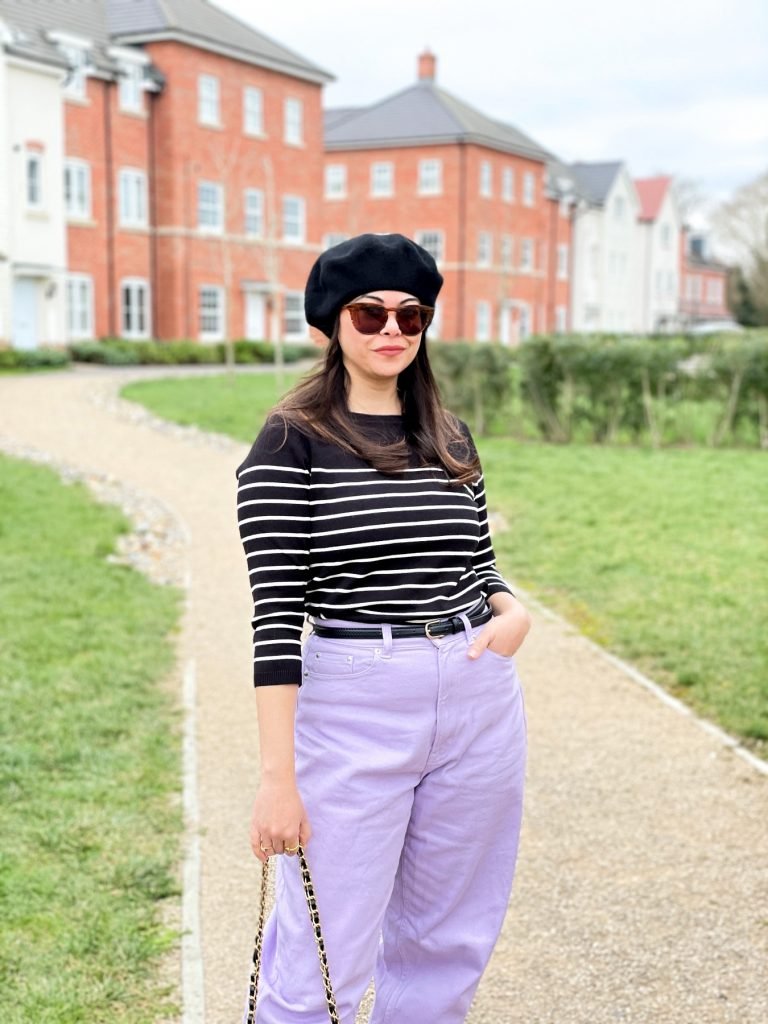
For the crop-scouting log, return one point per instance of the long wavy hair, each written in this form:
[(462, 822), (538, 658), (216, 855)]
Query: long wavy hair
[(318, 404)]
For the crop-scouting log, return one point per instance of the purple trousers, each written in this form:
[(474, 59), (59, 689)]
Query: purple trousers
[(410, 760)]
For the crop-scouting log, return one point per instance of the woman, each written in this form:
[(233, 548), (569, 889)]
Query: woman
[(396, 739)]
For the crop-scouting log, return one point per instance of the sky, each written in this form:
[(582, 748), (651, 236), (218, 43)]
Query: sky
[(674, 87)]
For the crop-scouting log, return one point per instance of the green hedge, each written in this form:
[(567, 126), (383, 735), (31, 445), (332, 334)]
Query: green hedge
[(33, 358), (120, 352)]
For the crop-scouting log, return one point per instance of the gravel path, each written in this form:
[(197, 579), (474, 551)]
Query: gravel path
[(642, 890)]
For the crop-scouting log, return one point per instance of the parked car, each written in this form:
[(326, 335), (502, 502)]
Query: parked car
[(715, 327)]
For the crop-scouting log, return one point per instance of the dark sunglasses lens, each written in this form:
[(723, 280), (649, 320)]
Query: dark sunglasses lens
[(410, 321), (368, 319)]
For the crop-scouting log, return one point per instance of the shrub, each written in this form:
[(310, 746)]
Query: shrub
[(33, 358)]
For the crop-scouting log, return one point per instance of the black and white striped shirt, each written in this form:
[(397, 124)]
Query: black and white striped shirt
[(326, 534)]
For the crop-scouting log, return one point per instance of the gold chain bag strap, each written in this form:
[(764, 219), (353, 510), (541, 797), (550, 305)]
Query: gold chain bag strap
[(314, 916)]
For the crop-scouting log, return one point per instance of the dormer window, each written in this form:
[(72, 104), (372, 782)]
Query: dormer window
[(76, 51)]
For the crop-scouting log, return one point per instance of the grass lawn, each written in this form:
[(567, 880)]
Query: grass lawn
[(658, 555), (89, 762)]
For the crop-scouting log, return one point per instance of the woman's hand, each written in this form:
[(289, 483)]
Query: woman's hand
[(507, 629), (278, 819)]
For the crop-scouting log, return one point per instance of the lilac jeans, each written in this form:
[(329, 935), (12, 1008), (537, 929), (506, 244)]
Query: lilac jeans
[(410, 760)]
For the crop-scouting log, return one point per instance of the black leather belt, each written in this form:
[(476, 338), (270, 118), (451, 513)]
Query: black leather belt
[(431, 629)]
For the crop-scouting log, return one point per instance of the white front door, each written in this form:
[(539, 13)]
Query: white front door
[(255, 316), (24, 332)]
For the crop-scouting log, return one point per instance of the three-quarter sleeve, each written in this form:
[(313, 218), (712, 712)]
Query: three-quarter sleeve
[(484, 559), (273, 515)]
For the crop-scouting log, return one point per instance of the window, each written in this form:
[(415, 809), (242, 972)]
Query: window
[(294, 219), (211, 312), (383, 178), (133, 198), (430, 177), (506, 251), (77, 188), (508, 184), (715, 292), (666, 236), (561, 320), (433, 242), (529, 188), (294, 324), (130, 95), (253, 111), (74, 83), (436, 327), (486, 179), (671, 283), (34, 180), (618, 208), (208, 100), (335, 181), (79, 306), (294, 118), (524, 320), (210, 207), (562, 261), (484, 248), (483, 321), (134, 308), (333, 238), (254, 211), (659, 283), (526, 254)]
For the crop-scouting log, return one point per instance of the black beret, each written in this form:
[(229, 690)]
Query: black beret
[(363, 264)]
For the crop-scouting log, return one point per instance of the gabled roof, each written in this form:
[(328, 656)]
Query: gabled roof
[(596, 180), (423, 114), (651, 192), (30, 24), (202, 24)]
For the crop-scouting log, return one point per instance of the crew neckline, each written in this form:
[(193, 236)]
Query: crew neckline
[(378, 415)]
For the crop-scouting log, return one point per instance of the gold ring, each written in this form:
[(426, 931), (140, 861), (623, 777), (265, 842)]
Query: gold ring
[(264, 848), (291, 849)]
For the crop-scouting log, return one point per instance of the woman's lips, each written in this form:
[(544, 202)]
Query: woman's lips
[(390, 350)]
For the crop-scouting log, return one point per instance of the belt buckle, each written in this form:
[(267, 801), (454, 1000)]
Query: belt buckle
[(427, 632)]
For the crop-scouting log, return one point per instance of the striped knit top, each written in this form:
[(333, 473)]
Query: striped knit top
[(327, 535)]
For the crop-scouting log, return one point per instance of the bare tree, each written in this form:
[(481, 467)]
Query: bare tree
[(742, 226)]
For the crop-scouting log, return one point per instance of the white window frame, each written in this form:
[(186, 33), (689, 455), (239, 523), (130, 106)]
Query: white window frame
[(561, 319), (507, 252), (77, 58), (525, 320), (253, 111), (301, 333), (253, 212), (508, 184), (293, 121), (34, 192), (562, 261), (430, 177), (527, 255), (298, 236), (335, 181), (382, 179), (486, 179), (666, 236), (210, 207), (484, 248), (333, 238), (208, 100), (79, 300), (214, 291), (529, 189), (433, 240), (135, 286), (482, 320), (714, 291), (618, 207), (132, 197), (436, 327), (77, 189), (129, 88)]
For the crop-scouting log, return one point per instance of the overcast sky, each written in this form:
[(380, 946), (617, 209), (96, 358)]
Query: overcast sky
[(670, 86)]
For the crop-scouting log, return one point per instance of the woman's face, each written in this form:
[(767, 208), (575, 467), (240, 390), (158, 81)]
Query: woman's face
[(386, 353)]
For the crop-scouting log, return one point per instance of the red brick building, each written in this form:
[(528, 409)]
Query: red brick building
[(487, 201), (703, 283), (193, 169)]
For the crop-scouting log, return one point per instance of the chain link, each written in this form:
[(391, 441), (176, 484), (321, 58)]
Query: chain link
[(314, 916)]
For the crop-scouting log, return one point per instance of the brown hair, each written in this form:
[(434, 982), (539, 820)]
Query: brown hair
[(318, 404)]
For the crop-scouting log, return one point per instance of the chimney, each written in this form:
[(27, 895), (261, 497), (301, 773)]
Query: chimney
[(427, 63)]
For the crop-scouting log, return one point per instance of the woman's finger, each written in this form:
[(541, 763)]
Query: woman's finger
[(480, 642)]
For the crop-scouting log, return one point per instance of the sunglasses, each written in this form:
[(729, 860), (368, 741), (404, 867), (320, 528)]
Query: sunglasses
[(370, 319)]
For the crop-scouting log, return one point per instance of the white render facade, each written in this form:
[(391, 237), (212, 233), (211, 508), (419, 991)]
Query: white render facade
[(606, 286), (33, 239), (659, 247)]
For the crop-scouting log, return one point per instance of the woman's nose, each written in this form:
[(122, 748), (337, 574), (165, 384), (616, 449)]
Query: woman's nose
[(391, 326)]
